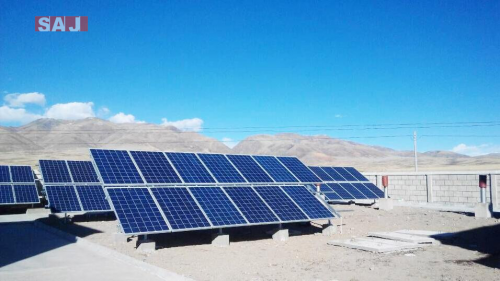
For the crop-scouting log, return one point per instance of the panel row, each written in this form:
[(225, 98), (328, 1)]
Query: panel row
[(16, 174), (18, 194), (76, 198), (328, 174), (63, 172), (153, 167), (143, 210), (351, 191)]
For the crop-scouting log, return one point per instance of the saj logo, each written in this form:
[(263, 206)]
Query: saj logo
[(60, 23)]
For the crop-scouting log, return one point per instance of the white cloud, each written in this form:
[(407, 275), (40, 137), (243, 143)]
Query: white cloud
[(229, 142), (103, 112), (124, 118), (8, 114), (71, 111), (20, 100), (338, 116), (475, 150), (193, 124)]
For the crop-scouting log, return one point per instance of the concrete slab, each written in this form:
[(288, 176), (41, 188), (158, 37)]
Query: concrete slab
[(329, 229), (21, 217), (146, 246), (482, 210), (280, 235), (428, 233), (38, 211), (385, 204), (375, 245), (404, 237), (220, 240)]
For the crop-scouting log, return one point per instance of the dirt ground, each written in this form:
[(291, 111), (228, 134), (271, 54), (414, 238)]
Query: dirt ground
[(473, 255)]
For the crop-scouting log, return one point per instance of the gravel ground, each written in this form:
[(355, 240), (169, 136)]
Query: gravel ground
[(473, 255)]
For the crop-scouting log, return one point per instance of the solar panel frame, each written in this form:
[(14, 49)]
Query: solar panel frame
[(200, 174), (320, 173), (161, 171), (92, 198), (63, 198), (275, 169), (301, 171), (217, 163), (122, 171), (251, 170), (83, 172), (55, 171), (26, 194), (22, 174)]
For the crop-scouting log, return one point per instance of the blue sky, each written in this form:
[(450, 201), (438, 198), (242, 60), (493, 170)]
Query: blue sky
[(235, 64)]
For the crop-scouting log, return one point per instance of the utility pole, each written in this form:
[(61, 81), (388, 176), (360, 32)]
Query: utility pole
[(415, 150)]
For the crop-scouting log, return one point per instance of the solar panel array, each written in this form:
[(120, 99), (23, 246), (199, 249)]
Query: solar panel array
[(157, 209), (345, 184), (17, 185), (73, 186)]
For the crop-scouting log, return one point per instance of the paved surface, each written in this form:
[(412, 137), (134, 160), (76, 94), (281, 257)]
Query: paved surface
[(30, 253)]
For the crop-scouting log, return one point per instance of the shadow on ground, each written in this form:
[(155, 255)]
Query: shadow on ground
[(485, 240)]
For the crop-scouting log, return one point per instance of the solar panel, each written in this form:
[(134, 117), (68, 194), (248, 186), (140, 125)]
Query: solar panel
[(249, 168), (280, 203), (92, 198), (363, 189), (320, 173), (275, 169), (5, 174), (374, 189), (221, 168), (356, 174), (26, 193), (21, 174), (340, 191), (352, 190), (332, 196), (55, 171), (299, 169), (6, 194), (333, 174), (136, 210), (155, 167), (190, 167), (345, 174), (325, 188), (308, 202), (217, 206), (62, 199), (83, 171), (180, 208), (116, 166), (251, 205)]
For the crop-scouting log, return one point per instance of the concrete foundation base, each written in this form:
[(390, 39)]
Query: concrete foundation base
[(482, 210), (120, 238), (220, 240), (329, 229), (385, 204), (280, 235), (38, 211), (146, 246)]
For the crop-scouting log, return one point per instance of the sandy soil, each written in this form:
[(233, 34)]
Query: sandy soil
[(252, 255)]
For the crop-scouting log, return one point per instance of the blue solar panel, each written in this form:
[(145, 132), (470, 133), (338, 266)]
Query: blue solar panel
[(333, 174), (325, 188), (26, 193), (251, 205), (366, 192), (299, 169), (55, 171), (280, 203), (6, 194), (116, 166), (345, 174), (374, 189), (332, 196), (249, 168), (308, 202), (340, 191), (217, 206), (21, 174), (5, 174), (356, 174), (190, 168), (83, 171), (62, 199), (179, 207), (93, 198), (155, 167), (221, 168), (275, 169), (352, 190), (321, 174), (136, 210)]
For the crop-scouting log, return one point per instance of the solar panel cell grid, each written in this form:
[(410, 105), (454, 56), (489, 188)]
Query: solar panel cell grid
[(321, 174), (332, 196), (217, 206), (356, 174), (280, 203), (22, 174), (93, 198), (340, 191), (333, 174), (116, 167), (155, 167), (251, 205), (83, 171), (352, 190), (299, 169), (373, 188), (55, 171), (221, 168), (249, 168), (275, 169), (5, 174), (6, 194), (179, 207), (190, 168), (62, 199), (345, 174), (137, 210), (325, 188), (308, 202), (26, 193), (366, 192)]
